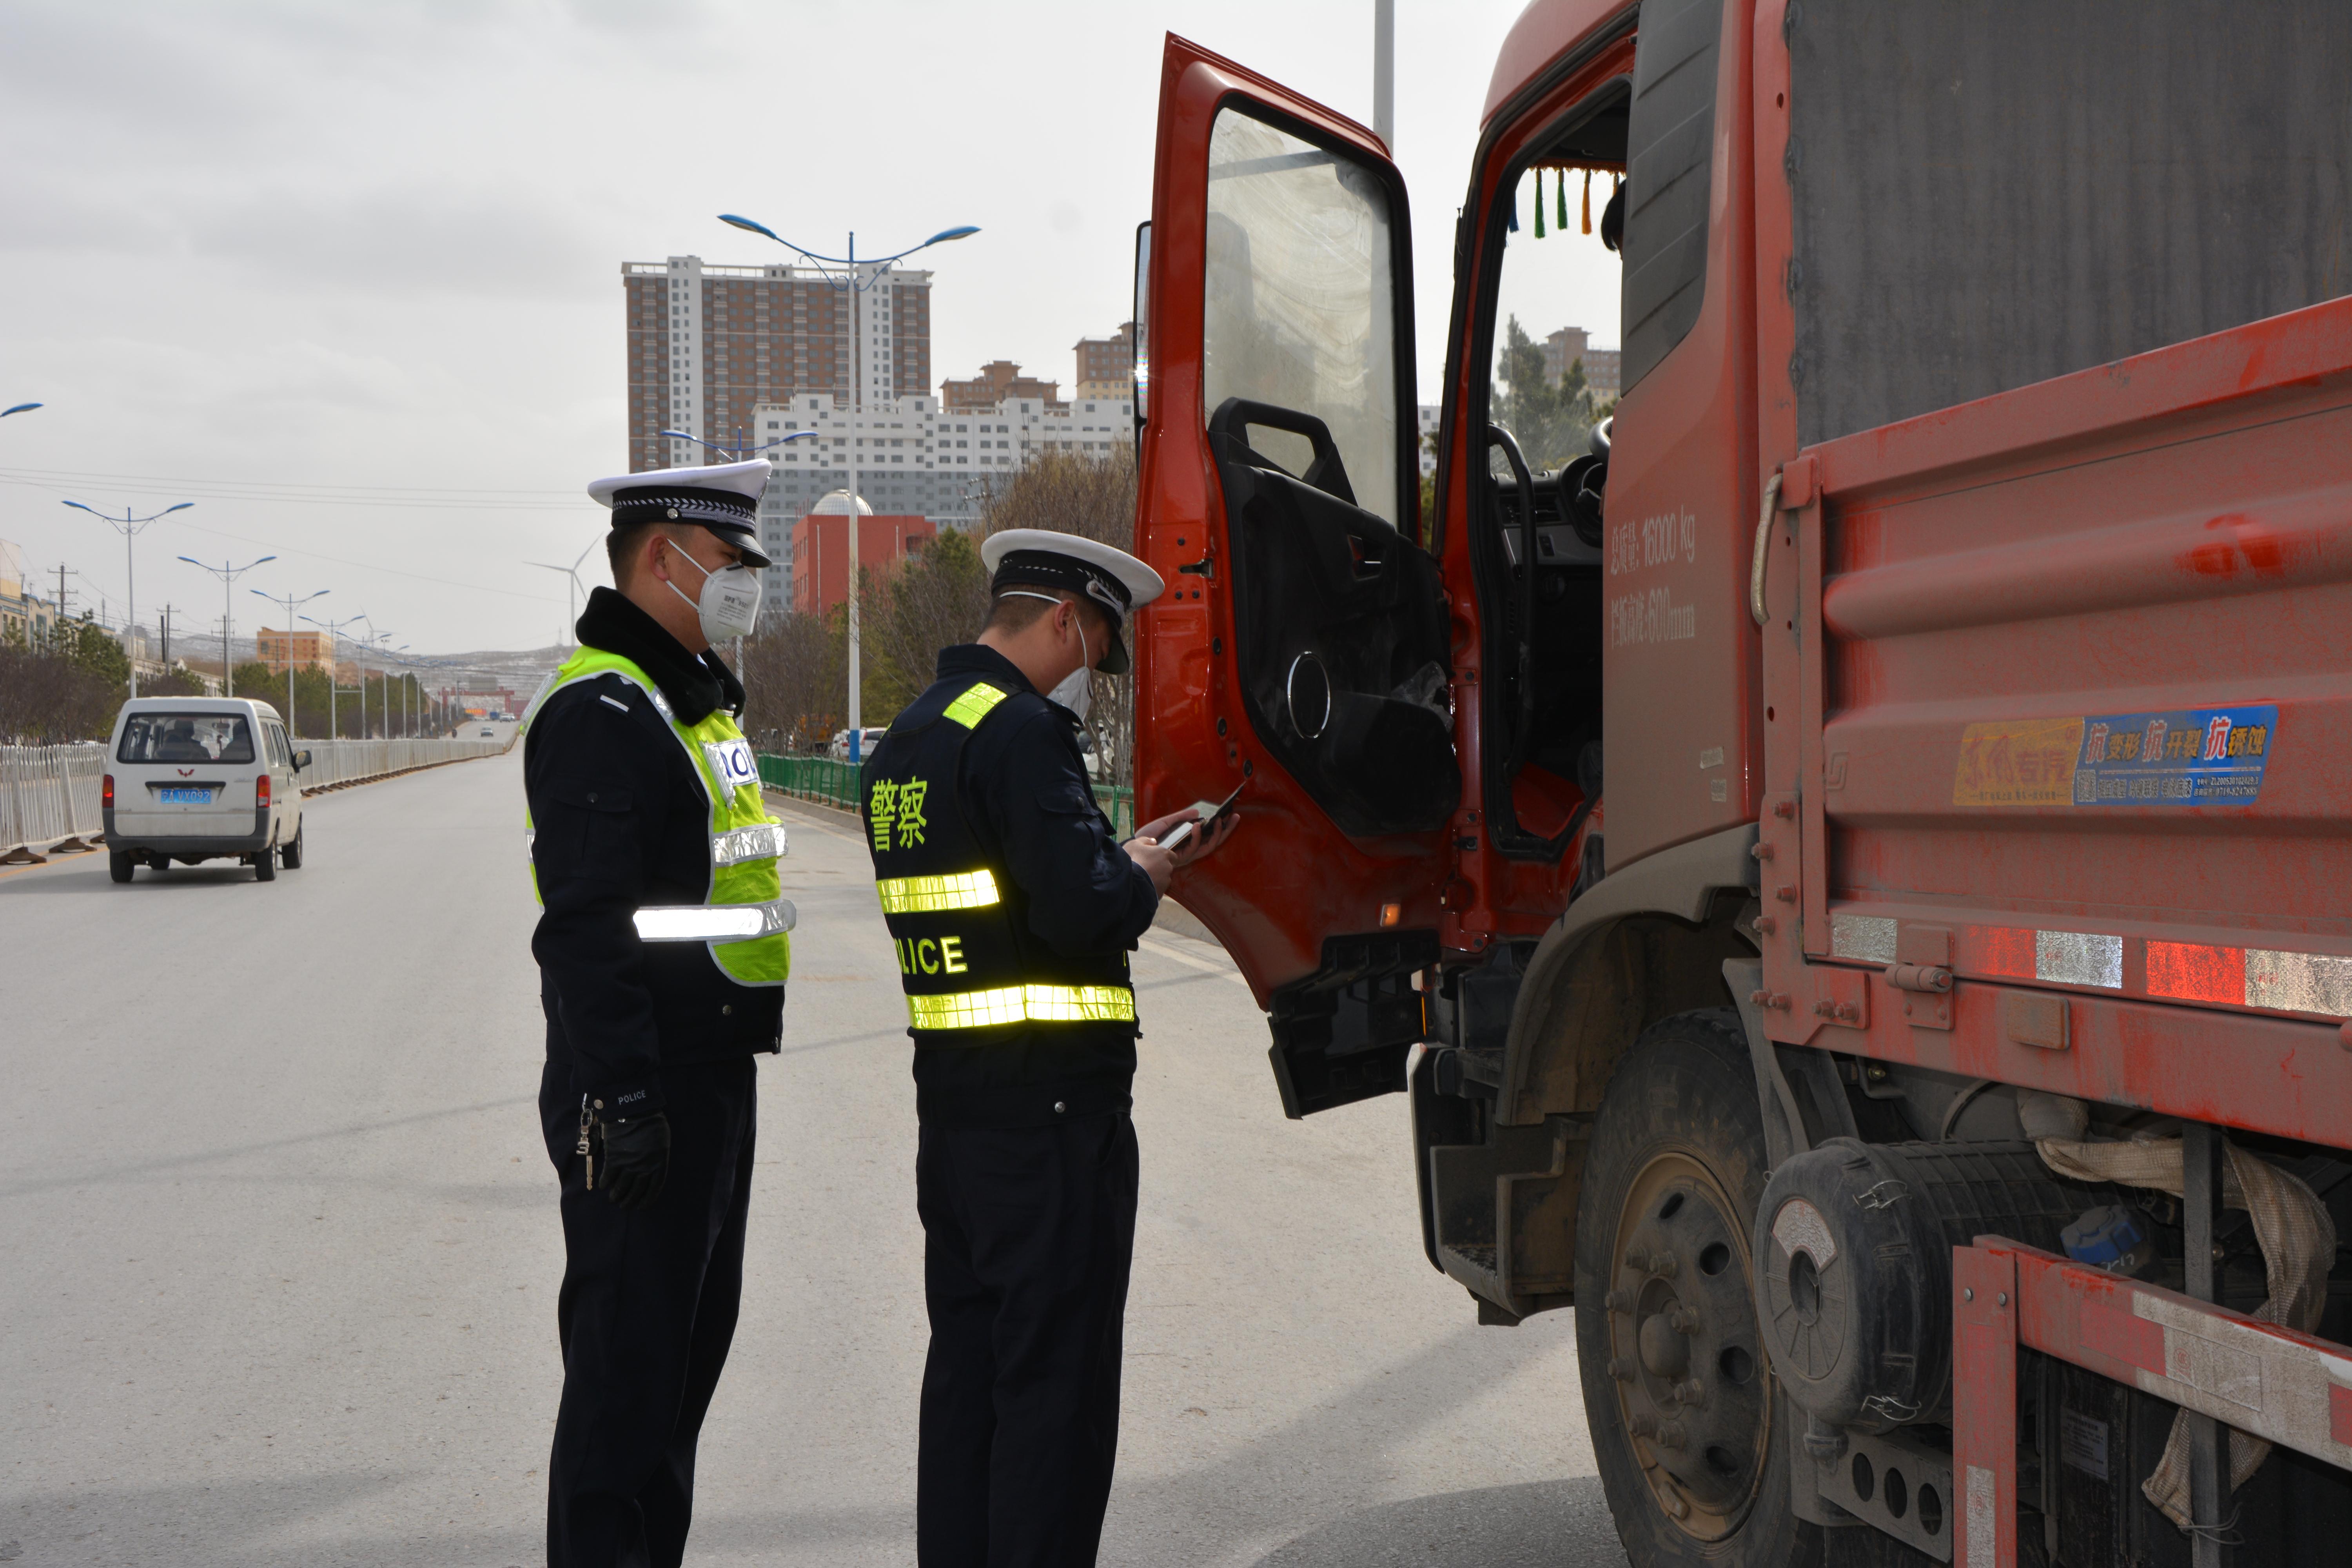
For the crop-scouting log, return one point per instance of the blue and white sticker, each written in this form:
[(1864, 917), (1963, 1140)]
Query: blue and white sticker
[(732, 762), (2185, 756)]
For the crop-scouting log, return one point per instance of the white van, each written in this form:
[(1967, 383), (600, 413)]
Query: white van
[(202, 778)]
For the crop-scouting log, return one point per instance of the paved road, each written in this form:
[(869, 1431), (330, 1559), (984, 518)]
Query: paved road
[(278, 1250)]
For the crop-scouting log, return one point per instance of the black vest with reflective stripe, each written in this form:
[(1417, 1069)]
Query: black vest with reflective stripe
[(973, 970)]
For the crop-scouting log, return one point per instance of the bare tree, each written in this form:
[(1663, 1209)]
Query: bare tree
[(934, 601), (1094, 499), (797, 671)]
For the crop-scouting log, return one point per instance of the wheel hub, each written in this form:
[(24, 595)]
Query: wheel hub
[(1691, 1385)]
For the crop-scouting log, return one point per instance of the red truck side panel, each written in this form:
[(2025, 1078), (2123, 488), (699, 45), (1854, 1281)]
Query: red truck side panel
[(2056, 683)]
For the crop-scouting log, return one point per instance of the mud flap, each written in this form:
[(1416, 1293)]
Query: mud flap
[(1340, 1034)]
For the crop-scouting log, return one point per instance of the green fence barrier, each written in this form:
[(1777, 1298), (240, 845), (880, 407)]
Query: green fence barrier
[(832, 781), (826, 780)]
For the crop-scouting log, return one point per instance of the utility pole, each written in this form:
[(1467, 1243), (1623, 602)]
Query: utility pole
[(1384, 73)]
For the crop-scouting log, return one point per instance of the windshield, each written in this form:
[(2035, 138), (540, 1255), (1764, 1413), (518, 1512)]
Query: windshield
[(1300, 307), (185, 737)]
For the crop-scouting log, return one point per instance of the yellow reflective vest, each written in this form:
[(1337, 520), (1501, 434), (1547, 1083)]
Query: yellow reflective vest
[(743, 917)]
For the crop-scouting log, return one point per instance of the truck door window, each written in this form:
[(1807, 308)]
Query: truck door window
[(1300, 307), (1549, 312), (1339, 625)]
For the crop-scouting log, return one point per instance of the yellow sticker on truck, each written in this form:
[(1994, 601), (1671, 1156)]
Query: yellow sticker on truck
[(2018, 762)]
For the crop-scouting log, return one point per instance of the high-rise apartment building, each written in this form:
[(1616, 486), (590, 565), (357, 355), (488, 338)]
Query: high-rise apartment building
[(1106, 365), (708, 345)]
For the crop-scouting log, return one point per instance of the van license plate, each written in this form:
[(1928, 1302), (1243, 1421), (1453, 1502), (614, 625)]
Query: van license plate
[(186, 797)]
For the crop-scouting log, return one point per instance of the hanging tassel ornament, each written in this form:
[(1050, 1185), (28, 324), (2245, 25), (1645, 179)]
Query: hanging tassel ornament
[(1540, 228), (1588, 202), (1514, 225), (1562, 198)]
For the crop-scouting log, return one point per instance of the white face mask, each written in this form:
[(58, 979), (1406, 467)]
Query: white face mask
[(1075, 691), (729, 606)]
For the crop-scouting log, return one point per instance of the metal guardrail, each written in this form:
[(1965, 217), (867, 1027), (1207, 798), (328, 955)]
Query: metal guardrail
[(829, 780), (49, 792), (52, 793), (344, 761)]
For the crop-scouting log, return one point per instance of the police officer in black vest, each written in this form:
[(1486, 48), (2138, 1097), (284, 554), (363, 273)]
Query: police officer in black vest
[(663, 960), (1013, 909)]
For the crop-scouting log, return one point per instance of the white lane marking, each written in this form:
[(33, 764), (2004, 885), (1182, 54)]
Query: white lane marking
[(1221, 971)]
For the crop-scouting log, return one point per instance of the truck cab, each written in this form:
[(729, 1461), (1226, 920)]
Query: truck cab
[(1950, 613)]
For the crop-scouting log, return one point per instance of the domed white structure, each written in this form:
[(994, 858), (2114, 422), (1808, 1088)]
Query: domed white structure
[(833, 503)]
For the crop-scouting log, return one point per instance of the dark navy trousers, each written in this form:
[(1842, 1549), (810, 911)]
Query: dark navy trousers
[(646, 1316), (1028, 1233)]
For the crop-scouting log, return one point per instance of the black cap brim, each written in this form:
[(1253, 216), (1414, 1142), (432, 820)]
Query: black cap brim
[(1115, 661)]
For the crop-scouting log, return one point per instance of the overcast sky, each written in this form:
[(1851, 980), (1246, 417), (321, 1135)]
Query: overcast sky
[(346, 275)]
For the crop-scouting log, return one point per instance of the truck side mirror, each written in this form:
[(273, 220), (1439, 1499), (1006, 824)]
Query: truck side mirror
[(302, 760)]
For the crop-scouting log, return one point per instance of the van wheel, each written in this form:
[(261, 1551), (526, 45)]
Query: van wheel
[(1687, 1428), (292, 853), (120, 864), (265, 865)]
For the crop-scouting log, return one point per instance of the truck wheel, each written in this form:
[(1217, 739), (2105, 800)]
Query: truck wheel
[(120, 864), (293, 853), (265, 865), (1685, 1416)]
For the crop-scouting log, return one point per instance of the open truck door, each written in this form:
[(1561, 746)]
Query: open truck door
[(1302, 651)]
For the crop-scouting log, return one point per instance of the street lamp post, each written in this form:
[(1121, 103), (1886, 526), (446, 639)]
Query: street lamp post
[(855, 288), (129, 526), (291, 601), (334, 630), (228, 575)]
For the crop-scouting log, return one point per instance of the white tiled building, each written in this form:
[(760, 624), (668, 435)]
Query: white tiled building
[(915, 458)]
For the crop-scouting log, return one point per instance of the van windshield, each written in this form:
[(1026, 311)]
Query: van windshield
[(185, 737)]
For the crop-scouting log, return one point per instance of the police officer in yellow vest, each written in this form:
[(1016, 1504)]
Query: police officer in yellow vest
[(663, 956), (1012, 907)]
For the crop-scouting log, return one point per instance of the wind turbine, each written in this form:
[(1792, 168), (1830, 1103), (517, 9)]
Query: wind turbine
[(572, 586)]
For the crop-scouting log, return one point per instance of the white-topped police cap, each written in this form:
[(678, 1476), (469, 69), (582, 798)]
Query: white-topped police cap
[(1043, 558), (722, 497)]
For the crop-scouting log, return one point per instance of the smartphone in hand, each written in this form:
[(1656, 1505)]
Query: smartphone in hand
[(1207, 819)]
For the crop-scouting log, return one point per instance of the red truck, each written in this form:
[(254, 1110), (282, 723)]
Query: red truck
[(1929, 1082)]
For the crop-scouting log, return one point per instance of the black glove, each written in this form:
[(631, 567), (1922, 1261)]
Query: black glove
[(637, 1160)]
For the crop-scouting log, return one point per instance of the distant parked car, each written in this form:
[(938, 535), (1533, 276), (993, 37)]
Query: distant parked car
[(202, 778), (874, 733)]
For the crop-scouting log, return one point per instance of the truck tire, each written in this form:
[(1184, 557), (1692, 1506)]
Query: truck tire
[(120, 864), (265, 865), (1687, 1423), (291, 856)]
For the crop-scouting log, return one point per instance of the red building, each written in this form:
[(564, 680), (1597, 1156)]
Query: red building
[(821, 550)]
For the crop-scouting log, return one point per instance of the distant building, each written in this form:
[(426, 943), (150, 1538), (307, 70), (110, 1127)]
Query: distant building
[(24, 615), (997, 380), (1106, 365), (820, 549), (1569, 345), (708, 345), (304, 651), (915, 458)]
